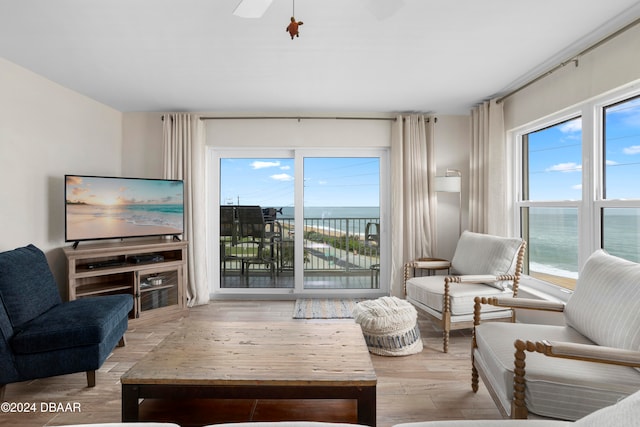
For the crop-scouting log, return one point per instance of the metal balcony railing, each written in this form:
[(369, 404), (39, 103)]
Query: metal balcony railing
[(340, 245)]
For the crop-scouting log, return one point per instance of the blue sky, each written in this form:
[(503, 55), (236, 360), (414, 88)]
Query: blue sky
[(111, 191), (269, 182), (555, 159)]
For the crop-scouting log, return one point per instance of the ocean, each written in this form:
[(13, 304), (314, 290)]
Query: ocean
[(552, 242), (166, 215), (352, 219)]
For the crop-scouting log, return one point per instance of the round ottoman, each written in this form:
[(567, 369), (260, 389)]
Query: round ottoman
[(389, 325)]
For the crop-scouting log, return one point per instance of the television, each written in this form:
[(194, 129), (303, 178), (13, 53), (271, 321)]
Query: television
[(102, 207)]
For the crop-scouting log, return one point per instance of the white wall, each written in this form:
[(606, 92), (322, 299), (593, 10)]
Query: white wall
[(452, 150), (46, 131), (142, 145), (287, 133)]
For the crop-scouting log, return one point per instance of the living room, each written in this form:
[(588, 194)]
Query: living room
[(49, 130)]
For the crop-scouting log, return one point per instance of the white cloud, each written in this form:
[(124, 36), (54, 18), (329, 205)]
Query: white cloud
[(634, 149), (282, 177), (285, 168), (611, 162), (323, 182), (576, 187), (565, 167), (572, 126), (261, 165)]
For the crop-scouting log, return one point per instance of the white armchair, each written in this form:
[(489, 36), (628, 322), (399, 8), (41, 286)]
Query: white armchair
[(568, 371), (482, 265)]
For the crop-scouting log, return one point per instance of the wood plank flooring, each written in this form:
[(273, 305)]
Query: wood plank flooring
[(426, 386)]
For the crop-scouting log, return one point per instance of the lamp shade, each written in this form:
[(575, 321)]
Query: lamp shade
[(448, 184)]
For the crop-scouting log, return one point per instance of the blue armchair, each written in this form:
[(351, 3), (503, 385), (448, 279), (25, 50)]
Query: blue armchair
[(41, 336)]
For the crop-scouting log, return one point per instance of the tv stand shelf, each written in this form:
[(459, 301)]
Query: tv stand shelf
[(152, 271)]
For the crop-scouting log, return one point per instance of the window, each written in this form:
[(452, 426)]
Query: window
[(341, 222), (577, 188), (621, 165), (551, 183)]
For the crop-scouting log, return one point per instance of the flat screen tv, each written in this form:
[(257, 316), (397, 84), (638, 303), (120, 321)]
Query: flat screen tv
[(102, 207)]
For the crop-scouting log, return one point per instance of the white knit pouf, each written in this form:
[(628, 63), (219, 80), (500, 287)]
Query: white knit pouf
[(389, 325)]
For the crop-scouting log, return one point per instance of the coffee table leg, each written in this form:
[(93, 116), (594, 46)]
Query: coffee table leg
[(129, 403), (367, 407)]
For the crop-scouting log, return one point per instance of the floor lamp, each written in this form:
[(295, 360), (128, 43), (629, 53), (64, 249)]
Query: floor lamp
[(451, 183)]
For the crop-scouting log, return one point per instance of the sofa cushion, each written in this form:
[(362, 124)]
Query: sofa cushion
[(429, 290), (27, 286), (625, 413), (605, 304), (555, 387), (478, 253), (77, 323)]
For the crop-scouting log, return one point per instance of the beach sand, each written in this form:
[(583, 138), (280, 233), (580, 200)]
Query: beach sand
[(81, 227)]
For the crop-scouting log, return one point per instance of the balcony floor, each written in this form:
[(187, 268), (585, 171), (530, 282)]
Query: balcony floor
[(285, 280)]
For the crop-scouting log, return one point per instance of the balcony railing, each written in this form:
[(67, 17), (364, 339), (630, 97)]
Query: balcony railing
[(340, 245)]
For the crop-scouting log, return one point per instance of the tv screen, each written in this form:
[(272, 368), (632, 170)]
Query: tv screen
[(101, 207)]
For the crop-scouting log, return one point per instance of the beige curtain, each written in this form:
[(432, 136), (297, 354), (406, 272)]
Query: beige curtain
[(412, 198), (489, 192), (184, 152)]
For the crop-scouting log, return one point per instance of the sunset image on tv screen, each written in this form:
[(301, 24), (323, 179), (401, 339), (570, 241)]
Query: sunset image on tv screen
[(104, 207)]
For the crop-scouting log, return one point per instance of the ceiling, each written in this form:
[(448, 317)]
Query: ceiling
[(439, 56)]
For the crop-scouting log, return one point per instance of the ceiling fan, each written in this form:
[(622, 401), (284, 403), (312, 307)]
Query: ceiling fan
[(382, 9), (252, 8)]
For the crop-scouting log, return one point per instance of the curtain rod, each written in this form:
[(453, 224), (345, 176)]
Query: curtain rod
[(295, 118), (573, 59), (392, 119)]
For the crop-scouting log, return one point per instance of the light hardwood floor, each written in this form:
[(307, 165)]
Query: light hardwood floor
[(426, 386)]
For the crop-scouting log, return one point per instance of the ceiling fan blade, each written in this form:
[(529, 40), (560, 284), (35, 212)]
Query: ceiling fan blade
[(383, 9), (252, 8)]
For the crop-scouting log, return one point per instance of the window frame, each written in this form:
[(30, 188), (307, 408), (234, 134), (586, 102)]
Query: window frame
[(592, 203)]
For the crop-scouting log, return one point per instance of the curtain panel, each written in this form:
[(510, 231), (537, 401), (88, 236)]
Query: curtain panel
[(183, 157), (412, 197), (489, 192)]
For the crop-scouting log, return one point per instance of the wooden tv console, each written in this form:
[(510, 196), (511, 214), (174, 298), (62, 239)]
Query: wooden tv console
[(152, 271)]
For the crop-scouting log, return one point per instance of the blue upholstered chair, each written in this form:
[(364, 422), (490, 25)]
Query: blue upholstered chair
[(41, 336)]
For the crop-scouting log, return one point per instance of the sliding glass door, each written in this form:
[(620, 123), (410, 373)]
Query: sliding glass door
[(298, 221), (341, 222)]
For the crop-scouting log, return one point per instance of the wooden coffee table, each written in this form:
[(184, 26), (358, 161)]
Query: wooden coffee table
[(253, 360)]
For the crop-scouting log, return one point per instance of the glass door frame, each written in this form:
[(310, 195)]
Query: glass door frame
[(215, 154)]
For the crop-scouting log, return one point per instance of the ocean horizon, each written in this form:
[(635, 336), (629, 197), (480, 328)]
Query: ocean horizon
[(552, 247)]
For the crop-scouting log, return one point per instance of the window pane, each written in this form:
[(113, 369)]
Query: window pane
[(341, 222), (552, 162), (552, 244), (622, 150), (621, 232), (256, 222)]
